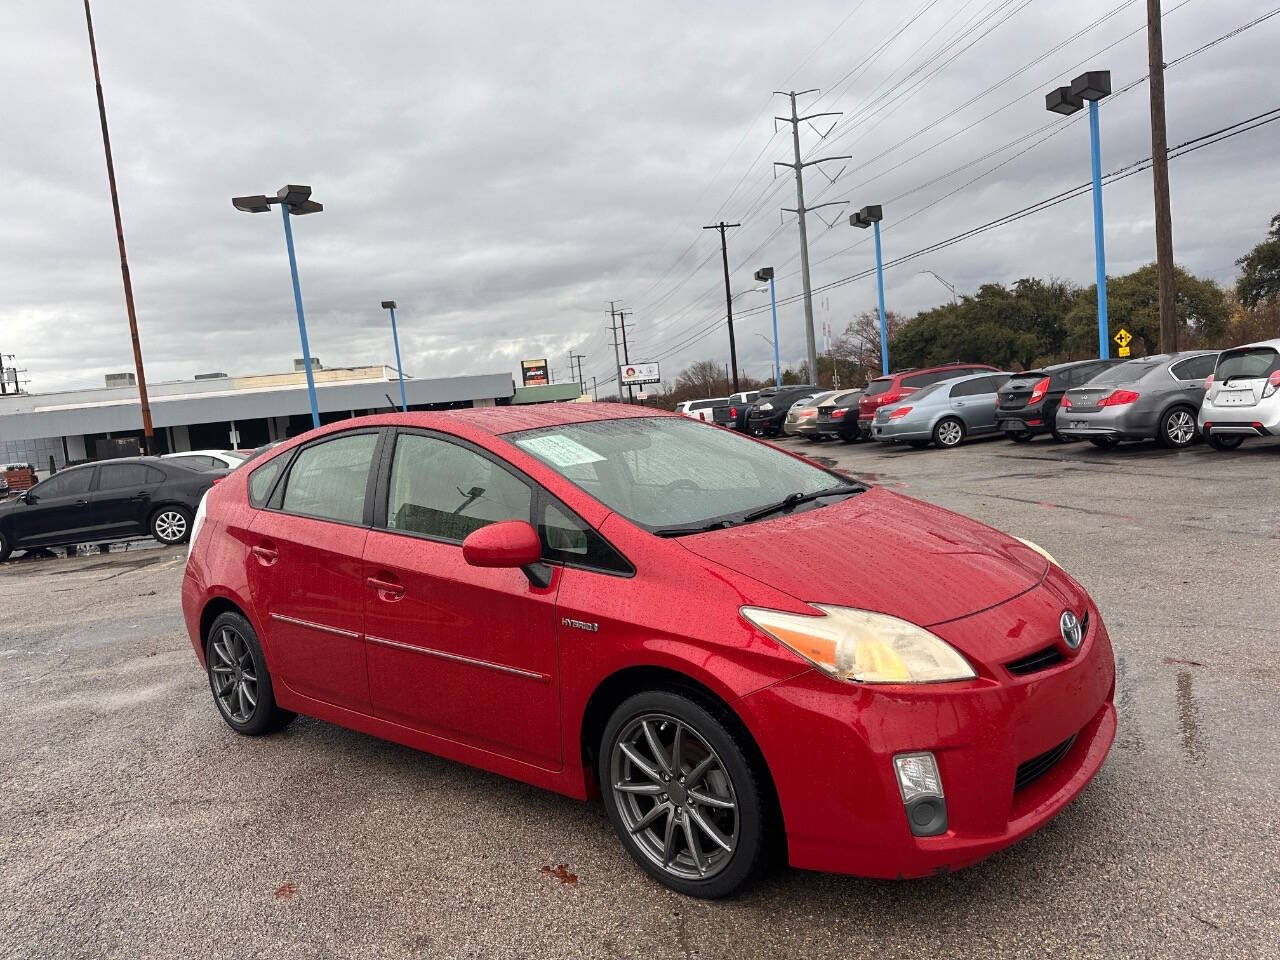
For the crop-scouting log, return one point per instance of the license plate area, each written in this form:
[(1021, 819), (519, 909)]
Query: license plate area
[(1235, 398)]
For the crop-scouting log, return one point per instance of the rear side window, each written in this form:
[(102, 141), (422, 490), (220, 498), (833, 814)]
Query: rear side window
[(1194, 368), (920, 379), (1249, 364), (878, 386), (118, 476), (443, 490), (263, 479), (328, 479), (974, 387)]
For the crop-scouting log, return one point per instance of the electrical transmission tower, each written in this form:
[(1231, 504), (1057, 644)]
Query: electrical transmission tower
[(801, 211)]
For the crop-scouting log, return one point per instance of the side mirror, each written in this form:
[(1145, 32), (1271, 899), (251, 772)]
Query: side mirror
[(26, 497), (511, 543)]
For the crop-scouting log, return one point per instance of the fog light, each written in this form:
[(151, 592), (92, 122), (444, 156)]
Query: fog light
[(921, 787)]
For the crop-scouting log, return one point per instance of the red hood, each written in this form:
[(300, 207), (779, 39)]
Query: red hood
[(880, 551)]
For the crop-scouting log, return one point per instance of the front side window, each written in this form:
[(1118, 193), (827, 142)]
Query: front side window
[(66, 484), (328, 479), (671, 472), (444, 490)]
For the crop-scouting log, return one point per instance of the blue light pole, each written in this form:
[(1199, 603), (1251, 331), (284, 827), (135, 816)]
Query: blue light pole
[(395, 338), (870, 216), (1091, 86), (294, 199), (766, 273)]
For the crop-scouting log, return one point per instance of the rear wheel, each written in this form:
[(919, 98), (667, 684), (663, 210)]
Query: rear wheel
[(948, 432), (1227, 441), (239, 679), (682, 794), (1178, 428), (1019, 436), (5, 548), (1106, 443), (171, 525)]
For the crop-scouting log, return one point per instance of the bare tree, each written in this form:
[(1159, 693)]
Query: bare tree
[(860, 342)]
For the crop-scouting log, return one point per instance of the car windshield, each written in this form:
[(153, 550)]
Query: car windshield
[(1247, 364), (876, 387), (667, 472), (1125, 372)]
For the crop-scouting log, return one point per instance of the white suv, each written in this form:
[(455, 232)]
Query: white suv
[(1242, 395)]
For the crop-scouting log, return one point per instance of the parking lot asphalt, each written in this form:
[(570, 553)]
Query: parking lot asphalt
[(134, 823)]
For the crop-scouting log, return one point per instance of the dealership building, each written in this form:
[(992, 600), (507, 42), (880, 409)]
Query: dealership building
[(221, 412)]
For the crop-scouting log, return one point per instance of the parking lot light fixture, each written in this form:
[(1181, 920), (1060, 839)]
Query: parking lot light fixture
[(1090, 87), (766, 273), (395, 339), (870, 216), (294, 199)]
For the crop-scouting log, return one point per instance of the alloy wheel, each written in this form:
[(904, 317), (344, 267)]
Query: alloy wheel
[(235, 677), (1180, 427), (171, 526), (950, 433), (674, 796)]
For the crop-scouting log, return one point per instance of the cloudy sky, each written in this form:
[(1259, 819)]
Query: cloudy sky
[(503, 170)]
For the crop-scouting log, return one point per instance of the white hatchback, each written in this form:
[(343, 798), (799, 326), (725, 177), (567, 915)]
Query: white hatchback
[(1242, 395)]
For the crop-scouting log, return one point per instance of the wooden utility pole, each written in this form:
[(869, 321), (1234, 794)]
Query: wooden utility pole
[(147, 431), (1160, 180), (728, 295)]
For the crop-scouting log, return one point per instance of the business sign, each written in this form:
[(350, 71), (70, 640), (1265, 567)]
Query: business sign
[(634, 374), (534, 372)]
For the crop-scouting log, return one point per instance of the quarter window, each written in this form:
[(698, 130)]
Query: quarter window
[(263, 479), (567, 539), (1194, 368), (444, 490), (328, 479)]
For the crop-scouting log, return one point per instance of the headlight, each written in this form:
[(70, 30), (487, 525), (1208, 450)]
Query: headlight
[(862, 646), (1038, 549), (766, 406)]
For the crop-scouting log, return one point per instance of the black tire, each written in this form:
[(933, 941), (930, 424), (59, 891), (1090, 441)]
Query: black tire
[(1105, 443), (171, 525), (1020, 436), (737, 780), (1057, 437), (1177, 429), (265, 716), (1228, 441), (5, 548), (948, 432)]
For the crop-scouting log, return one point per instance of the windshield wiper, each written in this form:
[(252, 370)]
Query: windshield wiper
[(696, 528), (795, 499)]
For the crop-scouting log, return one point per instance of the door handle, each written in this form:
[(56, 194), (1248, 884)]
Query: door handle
[(388, 590), (266, 555), (82, 503), (957, 403)]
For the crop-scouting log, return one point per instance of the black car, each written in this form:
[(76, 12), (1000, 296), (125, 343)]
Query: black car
[(766, 415), (106, 501), (1027, 404), (840, 419)]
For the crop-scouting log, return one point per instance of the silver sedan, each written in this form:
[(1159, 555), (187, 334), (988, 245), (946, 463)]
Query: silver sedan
[(942, 413)]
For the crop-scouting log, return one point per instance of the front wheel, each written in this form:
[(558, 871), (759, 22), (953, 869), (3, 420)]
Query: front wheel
[(171, 525), (682, 794), (239, 679), (1228, 441), (1178, 428), (1019, 436), (948, 433)]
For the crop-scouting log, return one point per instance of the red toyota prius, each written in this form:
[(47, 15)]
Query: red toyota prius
[(739, 650)]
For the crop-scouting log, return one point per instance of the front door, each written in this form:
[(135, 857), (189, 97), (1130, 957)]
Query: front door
[(305, 571), (56, 511), (461, 652)]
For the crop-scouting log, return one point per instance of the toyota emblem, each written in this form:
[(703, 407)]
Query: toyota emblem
[(1072, 634)]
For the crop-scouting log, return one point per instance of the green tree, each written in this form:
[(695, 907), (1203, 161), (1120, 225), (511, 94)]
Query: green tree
[(1260, 279), (1133, 302)]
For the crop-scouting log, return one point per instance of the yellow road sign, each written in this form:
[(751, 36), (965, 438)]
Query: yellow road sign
[(1123, 338), (1123, 351)]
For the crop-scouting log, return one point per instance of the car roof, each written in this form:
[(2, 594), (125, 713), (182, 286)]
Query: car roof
[(496, 421)]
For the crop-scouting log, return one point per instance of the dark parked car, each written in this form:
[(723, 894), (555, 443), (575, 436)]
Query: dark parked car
[(838, 417), (734, 414), (766, 416), (1028, 403), (111, 500)]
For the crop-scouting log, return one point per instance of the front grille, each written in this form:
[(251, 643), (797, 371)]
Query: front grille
[(1037, 767), (1035, 662)]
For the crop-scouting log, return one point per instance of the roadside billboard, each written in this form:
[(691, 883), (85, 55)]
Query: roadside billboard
[(634, 374), (534, 372)]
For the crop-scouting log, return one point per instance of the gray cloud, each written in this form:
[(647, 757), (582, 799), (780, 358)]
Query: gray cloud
[(504, 170)]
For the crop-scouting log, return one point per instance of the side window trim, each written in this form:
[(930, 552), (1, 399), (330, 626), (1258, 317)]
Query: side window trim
[(544, 498), (275, 502)]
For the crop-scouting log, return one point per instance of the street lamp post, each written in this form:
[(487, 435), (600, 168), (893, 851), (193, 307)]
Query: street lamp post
[(871, 216), (395, 339), (950, 287), (766, 273), (293, 199), (1091, 86)]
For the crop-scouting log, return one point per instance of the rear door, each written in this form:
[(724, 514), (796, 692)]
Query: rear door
[(461, 652), (305, 569), (975, 401), (1191, 373), (121, 499)]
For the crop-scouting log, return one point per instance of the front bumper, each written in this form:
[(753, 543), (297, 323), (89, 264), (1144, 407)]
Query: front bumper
[(830, 749)]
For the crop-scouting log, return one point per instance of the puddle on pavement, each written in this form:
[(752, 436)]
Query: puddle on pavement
[(1194, 744)]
